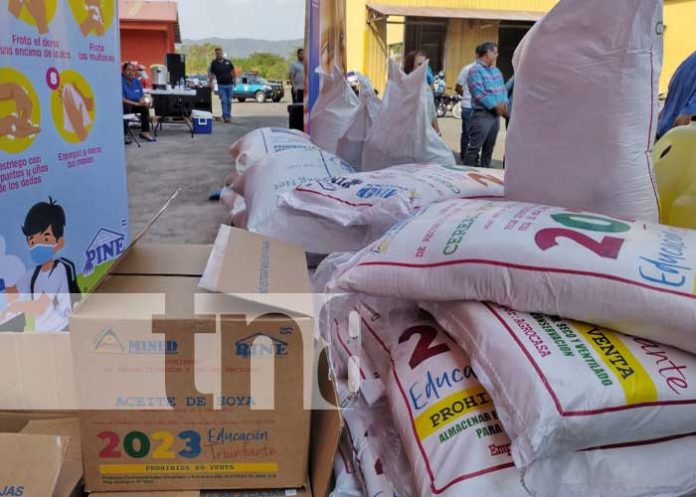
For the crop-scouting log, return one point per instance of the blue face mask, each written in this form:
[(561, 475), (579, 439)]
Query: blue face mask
[(41, 254)]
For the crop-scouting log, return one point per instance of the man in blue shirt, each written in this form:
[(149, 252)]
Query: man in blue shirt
[(680, 107), (134, 102), (489, 100)]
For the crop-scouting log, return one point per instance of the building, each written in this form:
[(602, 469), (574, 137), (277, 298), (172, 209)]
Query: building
[(149, 30), (449, 31)]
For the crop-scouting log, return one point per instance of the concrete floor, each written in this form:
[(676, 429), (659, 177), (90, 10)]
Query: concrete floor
[(200, 165)]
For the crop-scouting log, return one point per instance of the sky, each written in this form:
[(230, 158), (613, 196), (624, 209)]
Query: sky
[(259, 19)]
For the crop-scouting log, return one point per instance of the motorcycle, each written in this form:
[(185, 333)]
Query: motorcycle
[(447, 103)]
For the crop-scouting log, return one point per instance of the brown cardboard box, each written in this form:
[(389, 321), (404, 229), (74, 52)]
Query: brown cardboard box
[(69, 482), (193, 427), (292, 492), (29, 464)]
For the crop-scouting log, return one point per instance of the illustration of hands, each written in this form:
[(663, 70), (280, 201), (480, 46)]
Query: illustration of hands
[(76, 111), (18, 124), (35, 8), (95, 20)]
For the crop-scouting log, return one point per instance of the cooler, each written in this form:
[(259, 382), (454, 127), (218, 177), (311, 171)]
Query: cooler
[(202, 122)]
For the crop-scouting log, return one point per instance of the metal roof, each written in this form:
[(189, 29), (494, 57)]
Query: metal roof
[(145, 10), (450, 13)]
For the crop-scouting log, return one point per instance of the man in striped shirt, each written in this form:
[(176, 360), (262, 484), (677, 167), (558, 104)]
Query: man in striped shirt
[(489, 101)]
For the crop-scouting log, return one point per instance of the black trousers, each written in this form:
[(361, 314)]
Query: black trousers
[(144, 114), (484, 133), (298, 96)]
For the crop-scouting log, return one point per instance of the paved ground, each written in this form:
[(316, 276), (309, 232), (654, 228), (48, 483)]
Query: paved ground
[(197, 164), (200, 165)]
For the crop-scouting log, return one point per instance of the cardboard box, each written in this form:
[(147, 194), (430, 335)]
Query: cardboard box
[(69, 483), (291, 492), (29, 464), (193, 427)]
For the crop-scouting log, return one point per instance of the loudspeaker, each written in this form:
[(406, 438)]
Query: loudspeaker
[(176, 65)]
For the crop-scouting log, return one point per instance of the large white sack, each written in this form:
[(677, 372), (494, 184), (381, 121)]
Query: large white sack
[(380, 199), (659, 469), (350, 145), (267, 141), (333, 111), (562, 386), (366, 450), (347, 480), (584, 115), (367, 204), (629, 276), (402, 132), (449, 428), (279, 173), (339, 322)]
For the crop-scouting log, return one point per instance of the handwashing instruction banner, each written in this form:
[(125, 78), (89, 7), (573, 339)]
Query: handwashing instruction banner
[(63, 195)]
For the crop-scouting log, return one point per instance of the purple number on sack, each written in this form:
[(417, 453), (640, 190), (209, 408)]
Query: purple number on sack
[(608, 248)]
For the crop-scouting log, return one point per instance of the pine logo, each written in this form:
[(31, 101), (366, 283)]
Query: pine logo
[(108, 343), (106, 245), (247, 348)]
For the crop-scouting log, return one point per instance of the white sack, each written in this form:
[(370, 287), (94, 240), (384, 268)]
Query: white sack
[(380, 199), (658, 469), (450, 430), (333, 111), (584, 115), (366, 452), (402, 132), (562, 386), (347, 483), (350, 145), (261, 142), (279, 173), (632, 277)]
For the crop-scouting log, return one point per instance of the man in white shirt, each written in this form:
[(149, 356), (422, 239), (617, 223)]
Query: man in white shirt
[(462, 89)]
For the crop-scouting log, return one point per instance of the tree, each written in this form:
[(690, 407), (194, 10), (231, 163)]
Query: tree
[(268, 65)]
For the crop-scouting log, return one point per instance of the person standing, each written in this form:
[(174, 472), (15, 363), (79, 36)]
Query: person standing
[(490, 102), (680, 107), (413, 61), (297, 77), (462, 89), (223, 71)]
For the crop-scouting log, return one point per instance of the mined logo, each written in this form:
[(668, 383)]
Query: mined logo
[(108, 343), (106, 245), (247, 348)]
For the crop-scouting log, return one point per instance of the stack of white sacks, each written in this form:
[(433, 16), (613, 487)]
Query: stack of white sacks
[(460, 341)]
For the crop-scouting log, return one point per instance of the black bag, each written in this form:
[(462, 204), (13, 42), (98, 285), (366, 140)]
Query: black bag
[(75, 293)]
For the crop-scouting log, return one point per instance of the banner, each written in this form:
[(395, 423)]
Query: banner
[(63, 193), (325, 40)]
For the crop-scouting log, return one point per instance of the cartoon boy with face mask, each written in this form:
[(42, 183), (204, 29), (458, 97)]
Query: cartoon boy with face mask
[(45, 291)]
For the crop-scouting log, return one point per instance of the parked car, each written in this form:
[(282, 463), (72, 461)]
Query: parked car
[(254, 86)]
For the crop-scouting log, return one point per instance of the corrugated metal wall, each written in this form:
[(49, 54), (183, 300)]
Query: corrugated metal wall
[(376, 54), (463, 36)]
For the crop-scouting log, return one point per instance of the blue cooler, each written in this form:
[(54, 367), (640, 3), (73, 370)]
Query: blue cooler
[(202, 122)]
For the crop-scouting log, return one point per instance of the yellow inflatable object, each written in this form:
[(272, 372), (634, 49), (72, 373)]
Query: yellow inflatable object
[(674, 157)]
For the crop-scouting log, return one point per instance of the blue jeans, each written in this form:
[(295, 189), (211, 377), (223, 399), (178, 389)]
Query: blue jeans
[(225, 92)]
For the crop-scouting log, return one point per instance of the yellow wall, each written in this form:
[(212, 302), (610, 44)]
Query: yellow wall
[(463, 36), (680, 36), (356, 22), (680, 40)]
